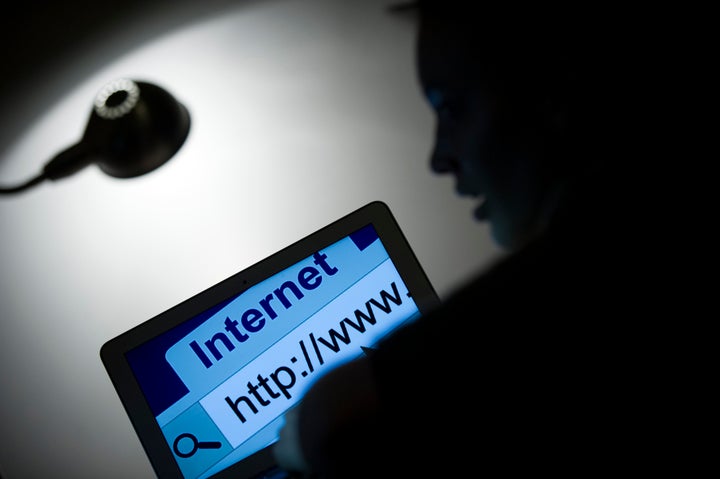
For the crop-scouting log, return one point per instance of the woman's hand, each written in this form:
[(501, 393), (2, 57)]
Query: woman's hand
[(338, 402)]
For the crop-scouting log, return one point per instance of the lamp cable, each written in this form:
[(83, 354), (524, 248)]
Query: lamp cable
[(6, 190)]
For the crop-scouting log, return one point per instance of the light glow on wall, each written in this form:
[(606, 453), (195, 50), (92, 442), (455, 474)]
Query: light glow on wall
[(301, 112)]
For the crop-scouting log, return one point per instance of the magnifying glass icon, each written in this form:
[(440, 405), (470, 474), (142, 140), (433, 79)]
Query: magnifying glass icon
[(195, 445)]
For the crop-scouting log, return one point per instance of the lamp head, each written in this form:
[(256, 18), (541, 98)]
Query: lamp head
[(134, 128)]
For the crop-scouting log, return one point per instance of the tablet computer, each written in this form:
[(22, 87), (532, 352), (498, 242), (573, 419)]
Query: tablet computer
[(206, 382)]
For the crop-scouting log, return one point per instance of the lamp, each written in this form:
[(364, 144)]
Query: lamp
[(134, 128)]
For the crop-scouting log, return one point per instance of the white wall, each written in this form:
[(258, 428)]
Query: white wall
[(301, 112)]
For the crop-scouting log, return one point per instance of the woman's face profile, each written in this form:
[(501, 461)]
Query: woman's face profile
[(490, 131)]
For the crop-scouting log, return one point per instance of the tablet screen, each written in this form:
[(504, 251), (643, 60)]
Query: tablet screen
[(218, 383)]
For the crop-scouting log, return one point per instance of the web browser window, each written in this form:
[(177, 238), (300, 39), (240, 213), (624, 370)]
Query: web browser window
[(219, 383)]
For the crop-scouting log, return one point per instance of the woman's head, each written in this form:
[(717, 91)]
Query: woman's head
[(509, 89)]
